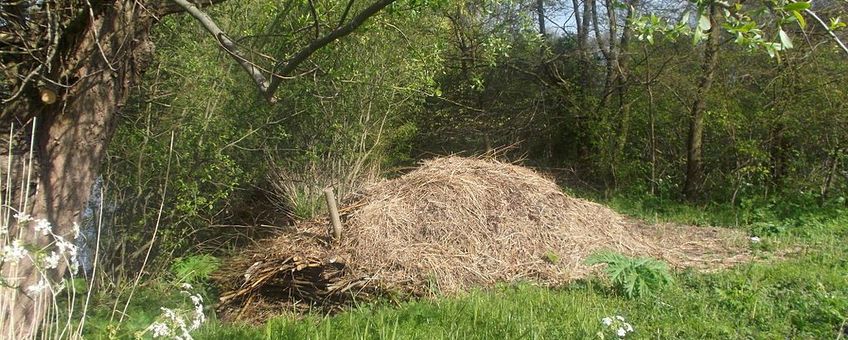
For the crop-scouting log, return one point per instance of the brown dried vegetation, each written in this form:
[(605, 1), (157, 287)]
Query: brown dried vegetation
[(451, 225)]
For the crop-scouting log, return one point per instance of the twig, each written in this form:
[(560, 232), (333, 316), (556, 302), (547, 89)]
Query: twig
[(829, 31), (337, 33), (226, 43)]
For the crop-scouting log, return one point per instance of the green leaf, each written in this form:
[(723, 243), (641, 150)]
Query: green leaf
[(785, 40), (704, 23), (801, 21), (796, 6)]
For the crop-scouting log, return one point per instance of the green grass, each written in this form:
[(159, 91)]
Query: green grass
[(800, 295), (799, 298)]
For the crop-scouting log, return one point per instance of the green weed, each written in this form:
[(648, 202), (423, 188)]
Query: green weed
[(633, 276)]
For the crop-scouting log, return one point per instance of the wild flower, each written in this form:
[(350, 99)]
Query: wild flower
[(160, 329), (43, 226), (51, 261), (38, 287), (70, 249), (755, 239), (76, 229), (173, 323), (65, 246), (14, 252), (23, 217), (618, 324)]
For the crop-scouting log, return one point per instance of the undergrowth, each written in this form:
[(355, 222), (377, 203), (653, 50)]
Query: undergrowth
[(633, 276), (796, 288)]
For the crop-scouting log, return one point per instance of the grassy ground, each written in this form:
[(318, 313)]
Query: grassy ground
[(800, 295)]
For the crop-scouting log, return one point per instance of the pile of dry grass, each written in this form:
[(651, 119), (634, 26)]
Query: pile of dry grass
[(453, 224)]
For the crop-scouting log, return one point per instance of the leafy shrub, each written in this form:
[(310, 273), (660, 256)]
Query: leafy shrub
[(195, 268), (633, 276)]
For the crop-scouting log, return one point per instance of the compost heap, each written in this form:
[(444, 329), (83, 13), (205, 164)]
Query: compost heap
[(451, 225)]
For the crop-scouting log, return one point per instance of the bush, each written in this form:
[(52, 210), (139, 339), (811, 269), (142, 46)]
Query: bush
[(633, 276), (194, 269)]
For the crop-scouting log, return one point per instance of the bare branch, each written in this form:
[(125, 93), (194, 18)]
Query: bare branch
[(307, 51), (227, 45), (315, 19), (827, 28), (267, 88), (344, 14), (166, 7)]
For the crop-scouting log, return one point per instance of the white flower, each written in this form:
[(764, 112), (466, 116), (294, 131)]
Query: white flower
[(160, 329), (755, 239), (169, 313), (628, 327), (621, 332), (65, 246), (23, 217), (43, 226), (186, 286), (607, 321), (619, 317), (76, 230), (38, 287), (52, 261), (14, 252)]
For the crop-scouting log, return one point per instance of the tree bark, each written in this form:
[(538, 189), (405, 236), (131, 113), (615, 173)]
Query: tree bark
[(583, 44), (622, 84), (102, 58), (694, 160), (540, 12)]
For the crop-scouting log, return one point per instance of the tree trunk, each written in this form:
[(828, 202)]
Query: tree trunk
[(583, 45), (621, 59), (102, 58), (694, 159), (540, 12)]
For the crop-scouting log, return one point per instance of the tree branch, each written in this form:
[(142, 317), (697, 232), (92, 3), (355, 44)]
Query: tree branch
[(827, 28), (267, 88), (166, 8), (306, 52), (227, 45)]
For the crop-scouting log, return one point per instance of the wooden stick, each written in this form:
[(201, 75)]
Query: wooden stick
[(334, 212)]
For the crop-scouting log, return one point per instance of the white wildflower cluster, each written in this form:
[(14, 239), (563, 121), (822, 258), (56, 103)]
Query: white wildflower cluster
[(173, 324), (618, 325), (39, 287), (70, 251), (14, 252), (43, 258), (23, 218), (43, 227)]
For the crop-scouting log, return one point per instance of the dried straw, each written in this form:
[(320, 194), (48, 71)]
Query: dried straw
[(453, 224)]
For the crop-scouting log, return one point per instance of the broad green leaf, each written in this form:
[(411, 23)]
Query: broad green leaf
[(704, 23), (784, 39), (801, 21), (796, 6), (697, 36)]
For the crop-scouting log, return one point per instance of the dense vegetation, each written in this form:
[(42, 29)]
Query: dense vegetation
[(636, 104)]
